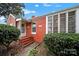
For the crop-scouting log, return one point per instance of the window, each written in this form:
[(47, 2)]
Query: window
[(50, 24), (55, 23), (63, 22), (34, 28), (71, 22), (22, 28)]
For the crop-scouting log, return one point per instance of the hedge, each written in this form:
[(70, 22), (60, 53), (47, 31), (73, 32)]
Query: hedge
[(62, 43), (8, 34)]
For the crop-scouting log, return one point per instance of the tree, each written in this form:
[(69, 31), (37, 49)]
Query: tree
[(13, 8)]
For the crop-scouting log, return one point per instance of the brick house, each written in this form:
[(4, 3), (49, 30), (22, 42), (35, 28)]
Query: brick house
[(66, 20), (29, 28), (38, 28)]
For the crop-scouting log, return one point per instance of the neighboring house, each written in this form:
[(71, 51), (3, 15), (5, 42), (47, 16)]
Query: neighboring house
[(20, 24), (62, 21), (11, 20)]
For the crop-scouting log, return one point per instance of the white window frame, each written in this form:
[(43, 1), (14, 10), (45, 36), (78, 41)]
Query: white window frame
[(32, 28)]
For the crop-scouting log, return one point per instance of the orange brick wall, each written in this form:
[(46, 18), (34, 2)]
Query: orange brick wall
[(40, 28), (28, 29)]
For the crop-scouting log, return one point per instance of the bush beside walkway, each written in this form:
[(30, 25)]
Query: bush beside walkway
[(62, 43)]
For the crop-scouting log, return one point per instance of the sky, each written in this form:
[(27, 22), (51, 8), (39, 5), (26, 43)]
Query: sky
[(2, 20), (39, 9)]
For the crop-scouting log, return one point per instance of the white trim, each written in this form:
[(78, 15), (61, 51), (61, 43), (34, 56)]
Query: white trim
[(46, 24), (56, 13), (33, 26), (66, 22), (12, 16), (18, 19), (33, 32), (52, 23), (67, 11), (58, 22)]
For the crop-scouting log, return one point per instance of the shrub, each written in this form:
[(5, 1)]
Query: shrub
[(33, 52), (61, 43), (8, 34)]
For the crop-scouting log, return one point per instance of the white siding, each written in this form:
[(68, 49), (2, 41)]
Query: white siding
[(77, 20), (46, 24)]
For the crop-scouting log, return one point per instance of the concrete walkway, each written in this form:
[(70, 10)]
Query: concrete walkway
[(26, 50), (42, 50)]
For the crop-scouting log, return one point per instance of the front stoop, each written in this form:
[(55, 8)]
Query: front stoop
[(25, 41)]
